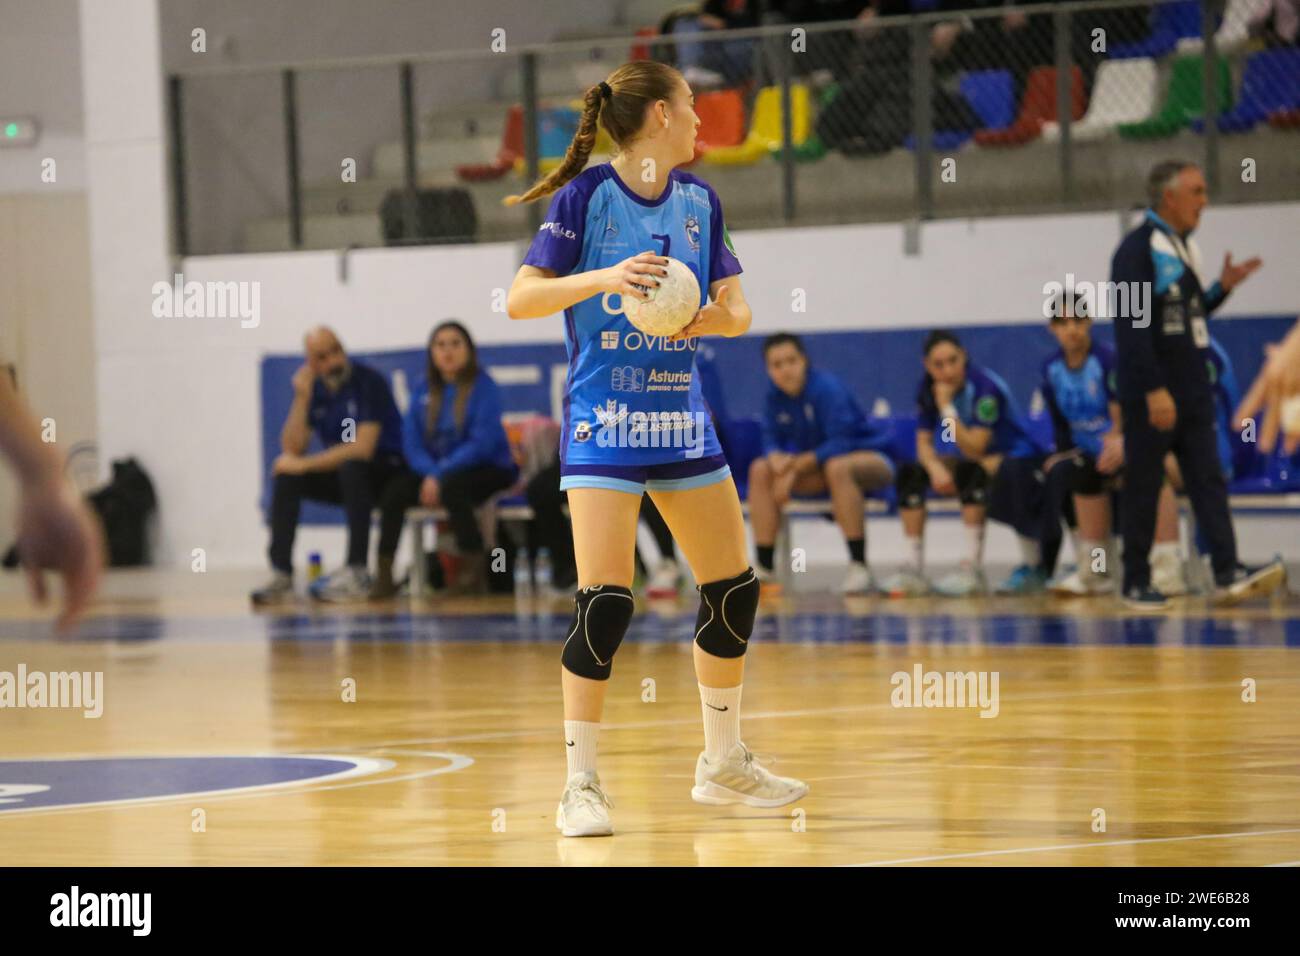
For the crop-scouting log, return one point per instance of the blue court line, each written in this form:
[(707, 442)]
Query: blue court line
[(829, 627)]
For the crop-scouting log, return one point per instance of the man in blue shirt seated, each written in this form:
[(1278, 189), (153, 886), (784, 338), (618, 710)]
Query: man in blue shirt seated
[(816, 441), (350, 408)]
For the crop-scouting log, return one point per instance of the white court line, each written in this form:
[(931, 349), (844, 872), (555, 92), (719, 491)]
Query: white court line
[(456, 762), (1078, 846)]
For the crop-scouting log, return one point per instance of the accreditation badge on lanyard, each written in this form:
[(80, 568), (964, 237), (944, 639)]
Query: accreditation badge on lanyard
[(1195, 308)]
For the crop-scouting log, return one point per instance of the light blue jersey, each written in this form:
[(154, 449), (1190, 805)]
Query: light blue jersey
[(631, 398)]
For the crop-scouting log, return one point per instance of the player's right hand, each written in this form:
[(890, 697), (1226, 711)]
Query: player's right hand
[(57, 533), (1161, 410), (642, 269)]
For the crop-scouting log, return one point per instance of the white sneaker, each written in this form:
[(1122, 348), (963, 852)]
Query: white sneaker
[(1167, 576), (664, 580), (967, 582), (582, 811), (738, 778), (1079, 583), (906, 583), (858, 580), (345, 584)]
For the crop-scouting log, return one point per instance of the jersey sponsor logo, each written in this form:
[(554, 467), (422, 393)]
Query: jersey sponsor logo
[(627, 378), (609, 339), (726, 241), (692, 228), (581, 431), (557, 230), (635, 341), (986, 410), (610, 414), (664, 381)]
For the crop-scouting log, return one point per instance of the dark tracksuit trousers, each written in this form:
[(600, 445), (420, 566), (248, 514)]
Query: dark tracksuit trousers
[(461, 492), (1194, 442), (355, 485)]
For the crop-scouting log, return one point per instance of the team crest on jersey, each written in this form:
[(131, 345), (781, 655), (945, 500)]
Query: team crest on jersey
[(581, 432), (611, 228), (986, 409), (692, 227)]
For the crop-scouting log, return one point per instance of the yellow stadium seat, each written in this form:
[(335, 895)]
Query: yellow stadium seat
[(765, 129)]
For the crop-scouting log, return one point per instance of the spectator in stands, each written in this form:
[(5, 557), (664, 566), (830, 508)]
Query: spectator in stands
[(831, 55), (816, 441), (1277, 23), (458, 453), (350, 407), (55, 529), (972, 442), (712, 63)]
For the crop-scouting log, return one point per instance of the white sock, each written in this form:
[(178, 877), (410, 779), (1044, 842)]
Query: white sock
[(580, 745), (917, 546), (721, 707), (975, 541), (1030, 556), (1165, 549)]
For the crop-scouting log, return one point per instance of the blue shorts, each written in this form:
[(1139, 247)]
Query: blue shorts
[(635, 479)]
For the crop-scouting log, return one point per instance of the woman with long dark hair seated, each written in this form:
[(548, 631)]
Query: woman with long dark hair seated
[(458, 453)]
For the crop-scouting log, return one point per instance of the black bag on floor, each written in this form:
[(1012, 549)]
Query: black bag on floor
[(124, 506), (428, 216)]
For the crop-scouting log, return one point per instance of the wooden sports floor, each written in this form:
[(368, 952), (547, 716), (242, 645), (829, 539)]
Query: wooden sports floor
[(225, 736)]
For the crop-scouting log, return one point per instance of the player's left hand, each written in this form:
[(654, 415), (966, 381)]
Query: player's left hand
[(1234, 273), (714, 319), (287, 464)]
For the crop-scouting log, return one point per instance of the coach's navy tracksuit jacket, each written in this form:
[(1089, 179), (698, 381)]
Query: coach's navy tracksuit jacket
[(1168, 347)]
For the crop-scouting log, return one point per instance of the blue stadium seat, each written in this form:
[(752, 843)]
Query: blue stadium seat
[(1172, 22), (1270, 84), (991, 94)]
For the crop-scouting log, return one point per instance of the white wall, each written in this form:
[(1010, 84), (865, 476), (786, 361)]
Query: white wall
[(40, 76), (182, 394)]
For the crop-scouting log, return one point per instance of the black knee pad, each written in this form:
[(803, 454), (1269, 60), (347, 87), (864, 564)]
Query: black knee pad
[(972, 482), (601, 615), (911, 485), (1087, 480), (726, 618)]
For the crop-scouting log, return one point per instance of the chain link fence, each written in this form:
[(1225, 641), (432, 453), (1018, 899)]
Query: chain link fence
[(913, 110)]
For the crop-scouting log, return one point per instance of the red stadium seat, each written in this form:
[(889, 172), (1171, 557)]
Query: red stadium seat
[(722, 120), (1285, 119), (1037, 108), (512, 149), (641, 50)]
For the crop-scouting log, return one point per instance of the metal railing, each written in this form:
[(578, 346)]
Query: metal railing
[(1002, 110)]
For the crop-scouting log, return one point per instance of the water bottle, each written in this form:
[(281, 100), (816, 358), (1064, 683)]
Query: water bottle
[(314, 569), (542, 571), (523, 574)]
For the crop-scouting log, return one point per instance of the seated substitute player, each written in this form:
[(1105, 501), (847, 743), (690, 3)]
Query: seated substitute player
[(972, 442), (1078, 387), (816, 441), (594, 240), (1086, 471), (458, 454), (351, 409)]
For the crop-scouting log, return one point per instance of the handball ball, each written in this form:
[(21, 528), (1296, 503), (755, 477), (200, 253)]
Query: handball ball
[(672, 304)]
